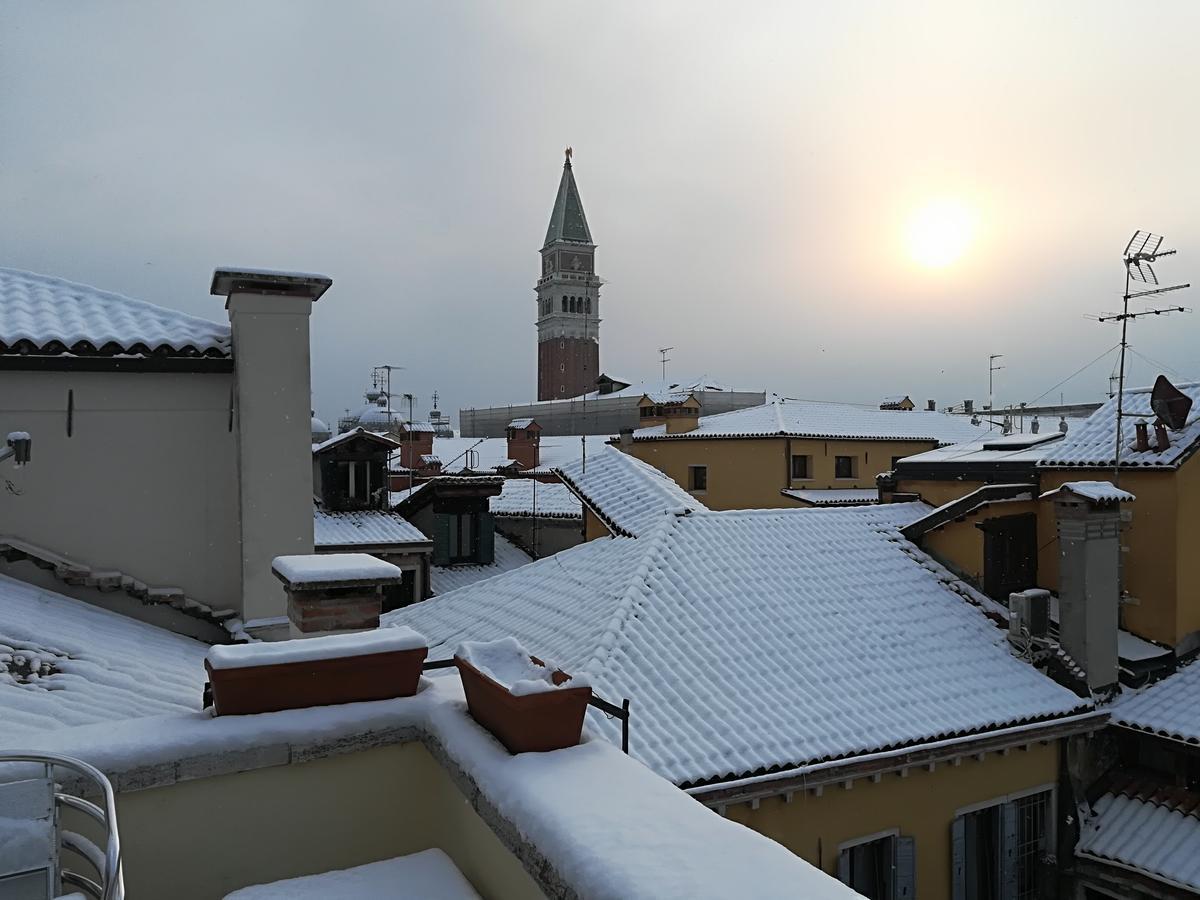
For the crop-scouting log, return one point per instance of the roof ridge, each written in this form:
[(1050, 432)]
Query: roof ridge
[(611, 636)]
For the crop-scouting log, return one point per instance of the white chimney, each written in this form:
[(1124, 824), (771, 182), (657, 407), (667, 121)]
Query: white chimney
[(269, 314), (1089, 540)]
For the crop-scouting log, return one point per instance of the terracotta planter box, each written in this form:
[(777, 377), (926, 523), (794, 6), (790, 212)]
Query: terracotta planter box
[(549, 720), (320, 682)]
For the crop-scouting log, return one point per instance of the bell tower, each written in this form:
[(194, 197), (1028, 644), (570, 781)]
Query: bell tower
[(568, 298)]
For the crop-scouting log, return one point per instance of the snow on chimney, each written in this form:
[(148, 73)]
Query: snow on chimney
[(524, 442)]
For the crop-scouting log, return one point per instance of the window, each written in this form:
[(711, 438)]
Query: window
[(845, 467), (698, 478), (403, 594), (354, 480), (564, 309), (461, 545), (801, 466), (880, 868), (998, 850)]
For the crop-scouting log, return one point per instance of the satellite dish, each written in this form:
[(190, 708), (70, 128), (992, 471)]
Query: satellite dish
[(1170, 404)]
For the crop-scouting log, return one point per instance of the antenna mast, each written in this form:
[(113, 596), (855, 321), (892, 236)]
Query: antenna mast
[(663, 351), (1143, 249), (992, 370)]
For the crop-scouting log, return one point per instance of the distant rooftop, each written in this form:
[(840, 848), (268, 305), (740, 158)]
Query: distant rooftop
[(819, 419)]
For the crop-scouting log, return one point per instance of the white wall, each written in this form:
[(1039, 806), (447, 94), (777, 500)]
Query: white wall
[(145, 484)]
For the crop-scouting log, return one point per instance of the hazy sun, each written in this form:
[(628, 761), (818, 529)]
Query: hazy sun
[(940, 232)]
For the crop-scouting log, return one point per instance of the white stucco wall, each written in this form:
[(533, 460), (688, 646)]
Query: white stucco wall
[(145, 485)]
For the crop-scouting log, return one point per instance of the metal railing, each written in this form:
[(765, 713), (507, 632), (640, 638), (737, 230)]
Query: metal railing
[(107, 860)]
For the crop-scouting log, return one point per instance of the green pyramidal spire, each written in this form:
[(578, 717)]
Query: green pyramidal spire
[(567, 222)]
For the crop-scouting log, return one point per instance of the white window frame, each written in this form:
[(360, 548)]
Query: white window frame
[(877, 836)]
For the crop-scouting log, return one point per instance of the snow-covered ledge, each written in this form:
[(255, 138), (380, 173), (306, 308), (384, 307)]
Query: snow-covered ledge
[(334, 592), (585, 822)]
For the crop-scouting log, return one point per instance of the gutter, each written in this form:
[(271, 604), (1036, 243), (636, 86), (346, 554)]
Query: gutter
[(800, 778)]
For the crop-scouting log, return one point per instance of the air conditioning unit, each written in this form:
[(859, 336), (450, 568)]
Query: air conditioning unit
[(1029, 613)]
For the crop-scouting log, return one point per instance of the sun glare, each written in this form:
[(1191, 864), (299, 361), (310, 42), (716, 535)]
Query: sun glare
[(939, 233)]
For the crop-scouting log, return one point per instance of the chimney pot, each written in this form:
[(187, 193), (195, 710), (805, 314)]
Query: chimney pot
[(931, 405), (1161, 440), (968, 406), (626, 438), (1141, 441)]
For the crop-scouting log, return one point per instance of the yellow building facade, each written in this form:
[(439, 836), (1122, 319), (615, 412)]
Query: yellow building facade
[(751, 473), (820, 824)]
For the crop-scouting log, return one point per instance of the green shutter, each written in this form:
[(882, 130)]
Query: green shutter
[(906, 869), (487, 539), (441, 538), (958, 870)]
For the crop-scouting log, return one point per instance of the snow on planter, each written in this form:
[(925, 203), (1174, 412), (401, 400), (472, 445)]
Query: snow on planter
[(525, 704), (317, 671)]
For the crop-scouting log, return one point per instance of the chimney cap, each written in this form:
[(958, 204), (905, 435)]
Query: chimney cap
[(227, 281)]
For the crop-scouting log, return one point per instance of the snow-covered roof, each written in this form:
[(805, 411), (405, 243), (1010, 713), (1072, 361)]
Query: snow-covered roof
[(992, 447), (1096, 491), (520, 423), (508, 556), (43, 315), (554, 451), (818, 419), (1152, 830), (337, 440), (628, 495), (65, 663), (1092, 442), (834, 496), (521, 495), (368, 527), (1170, 707), (761, 639)]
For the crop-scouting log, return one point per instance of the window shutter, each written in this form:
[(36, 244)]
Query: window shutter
[(958, 847), (844, 866), (1008, 852), (441, 538), (487, 539), (906, 868)]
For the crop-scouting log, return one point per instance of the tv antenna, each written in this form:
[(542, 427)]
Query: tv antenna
[(992, 370), (1143, 249), (663, 351)]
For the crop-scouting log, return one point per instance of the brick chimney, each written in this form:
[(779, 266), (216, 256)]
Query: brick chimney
[(524, 442), (330, 593), (1089, 541), (416, 440), (1141, 441), (269, 315)]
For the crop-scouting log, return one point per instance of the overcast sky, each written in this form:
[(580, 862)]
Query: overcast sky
[(747, 169)]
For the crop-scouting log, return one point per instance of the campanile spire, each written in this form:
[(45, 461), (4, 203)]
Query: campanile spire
[(568, 297)]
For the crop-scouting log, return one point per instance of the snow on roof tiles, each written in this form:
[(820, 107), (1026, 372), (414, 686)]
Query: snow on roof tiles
[(492, 453), (1149, 837), (101, 666), (835, 496), (817, 419), (363, 527), (1170, 707), (40, 314), (520, 423), (762, 639), (444, 579), (1092, 442), (628, 495), (1096, 491), (520, 495)]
